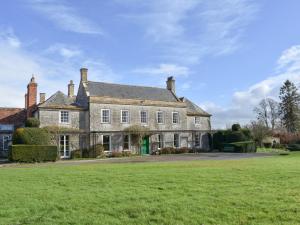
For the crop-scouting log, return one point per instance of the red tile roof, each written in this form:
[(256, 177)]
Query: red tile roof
[(15, 116)]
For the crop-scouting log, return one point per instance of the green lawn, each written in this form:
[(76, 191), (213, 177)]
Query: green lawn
[(249, 191)]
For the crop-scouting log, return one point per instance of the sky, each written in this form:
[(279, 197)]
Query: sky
[(226, 55)]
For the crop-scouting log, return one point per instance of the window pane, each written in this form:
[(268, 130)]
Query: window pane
[(160, 141), (106, 142), (125, 116), (197, 140), (197, 120), (160, 117), (144, 117), (64, 117), (105, 116), (176, 140), (126, 142), (175, 117)]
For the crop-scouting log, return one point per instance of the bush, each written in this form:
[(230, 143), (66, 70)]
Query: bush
[(76, 154), (293, 147), (235, 136), (170, 150), (167, 150), (32, 122), (116, 154), (33, 153), (99, 151), (267, 145), (31, 136), (218, 140), (236, 127), (279, 146), (126, 153), (241, 147)]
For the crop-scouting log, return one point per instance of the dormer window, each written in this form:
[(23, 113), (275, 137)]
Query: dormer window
[(64, 117)]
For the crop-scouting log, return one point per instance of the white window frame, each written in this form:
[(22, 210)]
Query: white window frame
[(199, 139), (146, 117), (102, 110), (8, 137), (129, 142), (173, 117), (128, 119), (199, 120), (178, 140), (60, 117), (160, 141), (109, 142), (163, 117)]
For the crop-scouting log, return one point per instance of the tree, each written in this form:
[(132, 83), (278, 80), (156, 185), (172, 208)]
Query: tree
[(289, 106), (268, 112), (259, 131), (236, 127), (32, 122)]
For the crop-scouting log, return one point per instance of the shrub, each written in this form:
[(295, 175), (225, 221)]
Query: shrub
[(99, 151), (293, 147), (236, 127), (167, 150), (31, 136), (181, 150), (32, 122), (76, 154), (218, 140), (241, 147), (279, 146), (116, 154), (267, 145), (235, 136), (33, 153), (126, 153)]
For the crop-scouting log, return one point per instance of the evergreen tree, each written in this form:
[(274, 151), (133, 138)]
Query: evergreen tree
[(289, 106)]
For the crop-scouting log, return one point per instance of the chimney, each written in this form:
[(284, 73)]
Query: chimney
[(42, 97), (71, 89), (31, 96), (83, 74), (171, 84), (26, 104)]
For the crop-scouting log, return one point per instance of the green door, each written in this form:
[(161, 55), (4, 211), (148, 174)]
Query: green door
[(145, 146)]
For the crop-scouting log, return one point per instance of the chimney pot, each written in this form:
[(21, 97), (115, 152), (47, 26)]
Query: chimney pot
[(84, 74), (42, 97)]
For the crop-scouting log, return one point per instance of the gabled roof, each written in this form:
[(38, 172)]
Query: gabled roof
[(59, 100), (130, 92), (15, 116), (193, 109)]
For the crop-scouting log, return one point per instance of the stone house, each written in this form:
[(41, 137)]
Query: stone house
[(101, 112)]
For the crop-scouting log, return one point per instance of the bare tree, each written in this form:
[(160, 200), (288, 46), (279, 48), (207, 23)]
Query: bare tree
[(268, 113), (258, 131)]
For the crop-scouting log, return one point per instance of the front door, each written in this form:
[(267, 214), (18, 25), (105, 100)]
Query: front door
[(64, 146), (145, 146)]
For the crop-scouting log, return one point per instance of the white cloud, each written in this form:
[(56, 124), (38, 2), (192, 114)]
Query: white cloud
[(165, 70), (64, 50), (191, 29), (243, 102), (52, 74), (65, 16), (8, 37)]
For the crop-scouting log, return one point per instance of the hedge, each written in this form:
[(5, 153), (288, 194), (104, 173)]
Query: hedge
[(31, 136), (293, 147), (32, 122), (33, 153), (241, 147)]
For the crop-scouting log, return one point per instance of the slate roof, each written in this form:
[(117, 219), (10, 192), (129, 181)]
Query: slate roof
[(59, 100), (193, 109), (130, 92)]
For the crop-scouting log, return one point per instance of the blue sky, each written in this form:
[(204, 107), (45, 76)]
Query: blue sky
[(226, 55)]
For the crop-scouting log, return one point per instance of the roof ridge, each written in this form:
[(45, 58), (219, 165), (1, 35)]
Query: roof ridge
[(128, 85)]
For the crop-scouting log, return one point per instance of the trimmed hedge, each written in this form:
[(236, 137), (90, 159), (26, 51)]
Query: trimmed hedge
[(241, 147), (31, 136), (32, 122), (293, 147), (33, 153)]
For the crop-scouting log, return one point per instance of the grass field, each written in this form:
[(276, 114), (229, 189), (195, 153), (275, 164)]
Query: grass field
[(249, 191)]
